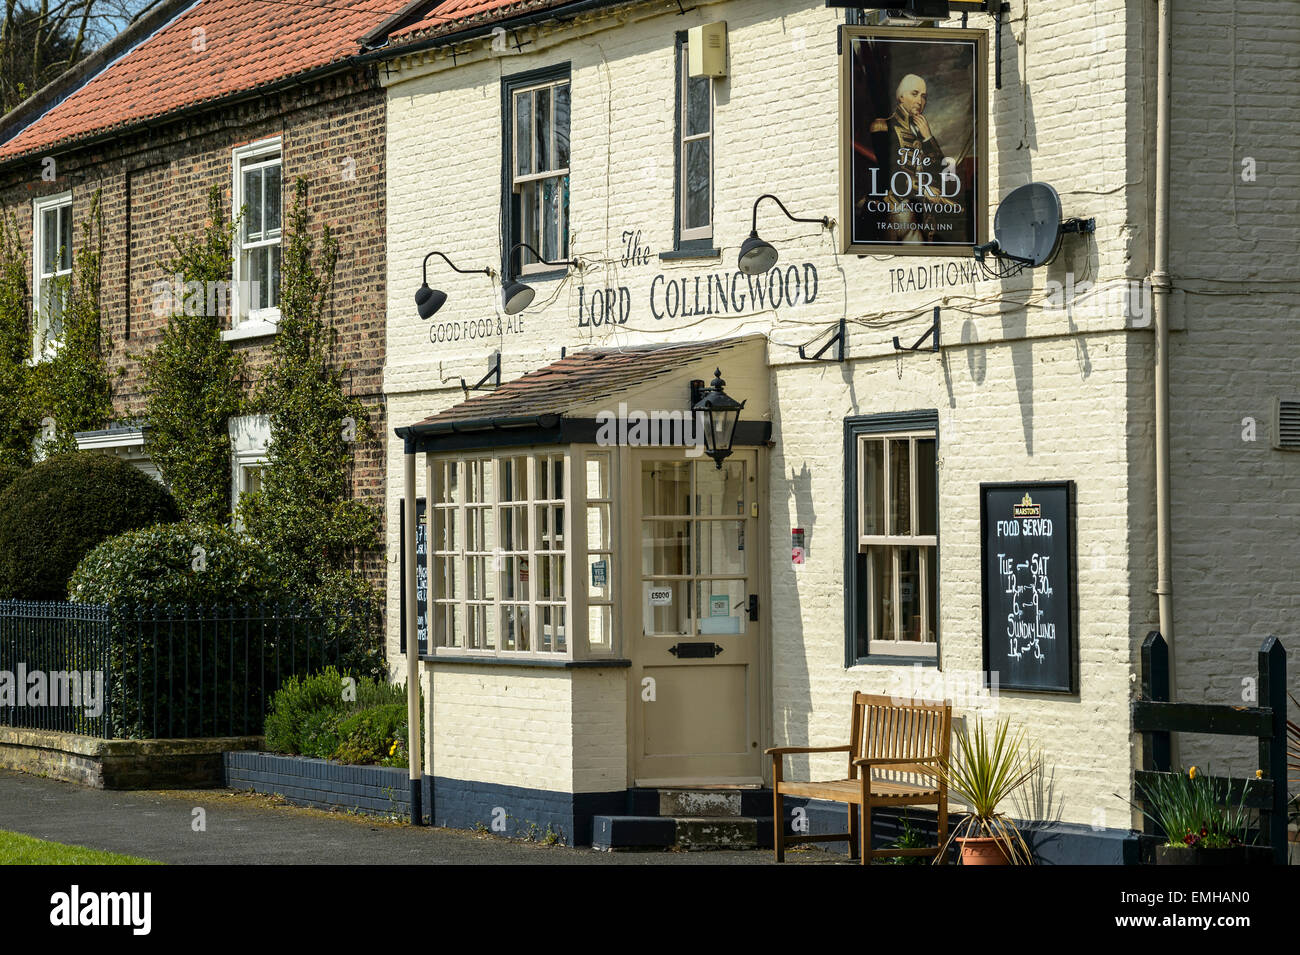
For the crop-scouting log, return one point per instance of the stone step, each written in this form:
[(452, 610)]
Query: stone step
[(699, 802), (686, 832)]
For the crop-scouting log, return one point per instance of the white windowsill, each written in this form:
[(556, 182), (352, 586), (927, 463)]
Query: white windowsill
[(250, 329)]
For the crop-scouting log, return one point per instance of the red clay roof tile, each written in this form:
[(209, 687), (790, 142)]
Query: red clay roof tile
[(213, 49)]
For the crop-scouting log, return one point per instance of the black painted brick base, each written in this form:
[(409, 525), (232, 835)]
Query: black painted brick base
[(324, 785)]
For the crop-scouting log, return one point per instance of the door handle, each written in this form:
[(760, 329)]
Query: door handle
[(753, 606)]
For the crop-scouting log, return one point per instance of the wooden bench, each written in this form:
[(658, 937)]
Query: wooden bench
[(884, 737)]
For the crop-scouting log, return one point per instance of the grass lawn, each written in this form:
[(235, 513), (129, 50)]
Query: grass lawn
[(17, 849)]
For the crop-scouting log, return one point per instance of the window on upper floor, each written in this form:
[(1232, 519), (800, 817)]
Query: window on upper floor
[(892, 525), (250, 436), (257, 201), (536, 154), (694, 153), (51, 270)]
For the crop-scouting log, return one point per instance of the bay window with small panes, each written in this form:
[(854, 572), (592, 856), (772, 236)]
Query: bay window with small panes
[(521, 554), (894, 588)]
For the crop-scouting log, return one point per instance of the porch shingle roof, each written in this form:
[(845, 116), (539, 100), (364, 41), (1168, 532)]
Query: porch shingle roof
[(577, 379)]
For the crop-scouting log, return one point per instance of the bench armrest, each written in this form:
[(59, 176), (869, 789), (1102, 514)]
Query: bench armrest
[(895, 760), (784, 750)]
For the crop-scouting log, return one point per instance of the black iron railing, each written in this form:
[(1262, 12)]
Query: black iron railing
[(169, 672)]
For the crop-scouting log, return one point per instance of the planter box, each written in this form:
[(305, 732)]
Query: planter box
[(321, 784)]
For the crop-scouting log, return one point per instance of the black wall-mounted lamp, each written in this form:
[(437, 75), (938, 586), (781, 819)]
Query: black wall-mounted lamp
[(758, 257), (721, 413), (429, 300), (517, 296)]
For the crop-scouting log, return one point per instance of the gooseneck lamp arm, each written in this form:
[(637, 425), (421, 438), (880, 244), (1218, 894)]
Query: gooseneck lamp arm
[(824, 220), (425, 267), (524, 245)]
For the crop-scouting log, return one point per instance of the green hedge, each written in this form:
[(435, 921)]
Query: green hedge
[(311, 717), (53, 514), (176, 564)]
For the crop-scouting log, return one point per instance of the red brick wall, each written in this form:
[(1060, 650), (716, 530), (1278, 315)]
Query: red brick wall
[(154, 185)]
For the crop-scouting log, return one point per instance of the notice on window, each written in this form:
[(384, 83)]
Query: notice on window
[(660, 597), (1028, 582), (421, 576), (719, 605)]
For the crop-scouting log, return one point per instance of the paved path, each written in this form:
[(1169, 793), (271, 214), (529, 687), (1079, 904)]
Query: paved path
[(249, 830)]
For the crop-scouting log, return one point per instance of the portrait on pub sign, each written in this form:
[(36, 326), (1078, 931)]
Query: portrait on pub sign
[(914, 148)]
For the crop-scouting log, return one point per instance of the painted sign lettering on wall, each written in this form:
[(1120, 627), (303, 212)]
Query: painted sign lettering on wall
[(914, 150), (675, 296), (1028, 582)]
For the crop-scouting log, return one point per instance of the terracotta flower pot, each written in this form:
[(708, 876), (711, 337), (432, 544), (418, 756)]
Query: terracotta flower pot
[(983, 850)]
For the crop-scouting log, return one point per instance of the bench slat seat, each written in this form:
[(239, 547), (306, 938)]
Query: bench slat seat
[(886, 740)]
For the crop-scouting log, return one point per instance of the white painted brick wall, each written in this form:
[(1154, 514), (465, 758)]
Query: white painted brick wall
[(1029, 393)]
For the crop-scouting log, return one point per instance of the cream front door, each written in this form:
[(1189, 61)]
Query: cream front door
[(698, 620)]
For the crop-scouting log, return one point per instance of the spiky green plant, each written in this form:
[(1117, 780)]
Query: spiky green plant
[(1195, 810), (986, 769)]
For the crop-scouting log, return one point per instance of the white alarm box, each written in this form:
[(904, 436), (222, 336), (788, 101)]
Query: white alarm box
[(707, 50)]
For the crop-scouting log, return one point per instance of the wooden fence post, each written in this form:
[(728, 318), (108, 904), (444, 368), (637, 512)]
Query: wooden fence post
[(1272, 748)]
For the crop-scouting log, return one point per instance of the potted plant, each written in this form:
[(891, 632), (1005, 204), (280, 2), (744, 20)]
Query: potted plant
[(1202, 826), (985, 769)]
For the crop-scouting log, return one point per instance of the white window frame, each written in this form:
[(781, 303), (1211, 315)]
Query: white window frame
[(46, 349), (250, 436), (559, 173), (450, 604), (246, 322), (683, 139), (926, 544)]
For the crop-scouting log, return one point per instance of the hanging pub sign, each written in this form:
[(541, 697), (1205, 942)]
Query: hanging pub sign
[(914, 147), (1028, 581)]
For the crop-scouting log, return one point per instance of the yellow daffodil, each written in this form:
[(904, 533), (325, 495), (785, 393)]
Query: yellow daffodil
[(1259, 774), (1191, 773)]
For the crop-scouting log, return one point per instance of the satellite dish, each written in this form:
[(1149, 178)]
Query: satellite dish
[(1027, 224), (1027, 228)]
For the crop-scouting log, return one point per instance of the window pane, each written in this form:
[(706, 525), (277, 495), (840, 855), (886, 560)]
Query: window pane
[(665, 548), (273, 277), (909, 592), (932, 592), (562, 126), (50, 241), (598, 527), (720, 492), (597, 476), (698, 96), (523, 134), (65, 237), (543, 130), (552, 200), (873, 487), (881, 593), (271, 206), (666, 488), (697, 184), (927, 494), (722, 606), (600, 627), (667, 617), (255, 267), (900, 488), (721, 547), (252, 199)]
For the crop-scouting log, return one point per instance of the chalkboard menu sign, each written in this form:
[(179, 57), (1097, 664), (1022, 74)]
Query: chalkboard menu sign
[(421, 577), (1028, 580)]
